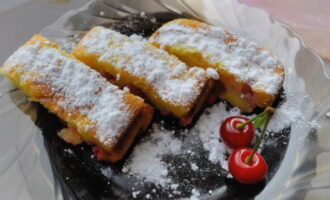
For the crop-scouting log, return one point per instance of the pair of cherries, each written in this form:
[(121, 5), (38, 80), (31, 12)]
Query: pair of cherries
[(245, 164)]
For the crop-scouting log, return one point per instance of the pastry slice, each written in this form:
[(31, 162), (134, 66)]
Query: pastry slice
[(250, 76), (163, 79), (101, 113)]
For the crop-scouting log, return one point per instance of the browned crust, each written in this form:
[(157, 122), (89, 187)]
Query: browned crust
[(105, 68), (43, 93), (139, 126), (198, 105), (258, 97)]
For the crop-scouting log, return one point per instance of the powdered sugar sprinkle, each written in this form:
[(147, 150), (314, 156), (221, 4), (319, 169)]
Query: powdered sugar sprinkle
[(244, 59), (147, 159), (171, 79), (100, 101), (151, 151)]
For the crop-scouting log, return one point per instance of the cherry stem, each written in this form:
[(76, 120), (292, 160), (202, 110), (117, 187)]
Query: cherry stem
[(269, 111), (240, 126)]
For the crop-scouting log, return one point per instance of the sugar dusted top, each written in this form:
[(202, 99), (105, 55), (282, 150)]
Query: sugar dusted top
[(243, 58), (171, 79), (83, 88)]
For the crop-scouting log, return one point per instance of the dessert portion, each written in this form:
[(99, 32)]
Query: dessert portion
[(250, 76), (95, 111), (163, 79)]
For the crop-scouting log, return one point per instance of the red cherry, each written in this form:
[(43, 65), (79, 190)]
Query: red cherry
[(234, 137), (99, 153), (244, 172)]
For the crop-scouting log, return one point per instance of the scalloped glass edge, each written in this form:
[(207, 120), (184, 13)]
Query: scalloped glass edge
[(306, 84)]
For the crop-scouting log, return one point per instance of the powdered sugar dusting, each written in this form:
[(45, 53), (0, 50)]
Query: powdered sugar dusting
[(135, 194), (83, 88), (245, 59), (148, 159), (212, 73), (137, 37), (172, 80), (285, 114), (150, 153), (207, 128), (195, 195), (194, 167)]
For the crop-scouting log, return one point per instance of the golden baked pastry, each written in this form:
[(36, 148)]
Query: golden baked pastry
[(250, 75), (163, 79), (100, 112)]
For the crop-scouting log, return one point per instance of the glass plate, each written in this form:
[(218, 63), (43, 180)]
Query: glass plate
[(25, 169)]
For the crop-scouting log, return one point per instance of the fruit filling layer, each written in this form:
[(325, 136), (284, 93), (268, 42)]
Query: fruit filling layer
[(99, 111), (164, 80), (240, 63)]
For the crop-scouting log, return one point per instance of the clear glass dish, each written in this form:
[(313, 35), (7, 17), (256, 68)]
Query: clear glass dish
[(25, 169)]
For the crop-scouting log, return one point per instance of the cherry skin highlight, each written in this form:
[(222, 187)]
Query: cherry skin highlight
[(244, 172), (234, 137)]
